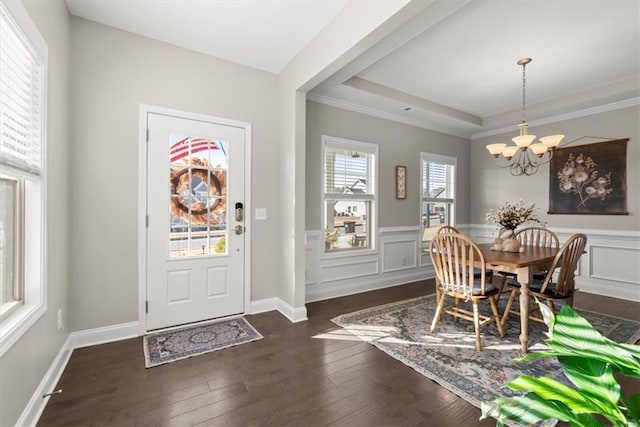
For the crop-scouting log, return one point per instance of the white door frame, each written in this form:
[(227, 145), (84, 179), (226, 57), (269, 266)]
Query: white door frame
[(142, 202)]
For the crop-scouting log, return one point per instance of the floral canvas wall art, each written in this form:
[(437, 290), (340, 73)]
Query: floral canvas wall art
[(589, 179)]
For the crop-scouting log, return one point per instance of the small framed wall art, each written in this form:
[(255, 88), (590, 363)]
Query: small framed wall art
[(401, 182)]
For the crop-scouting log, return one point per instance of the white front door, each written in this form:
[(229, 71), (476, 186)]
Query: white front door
[(195, 233)]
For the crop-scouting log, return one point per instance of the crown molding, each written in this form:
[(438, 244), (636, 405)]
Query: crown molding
[(338, 103), (345, 105), (563, 117)]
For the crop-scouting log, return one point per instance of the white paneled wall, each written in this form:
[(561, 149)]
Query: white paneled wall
[(610, 266), (395, 261)]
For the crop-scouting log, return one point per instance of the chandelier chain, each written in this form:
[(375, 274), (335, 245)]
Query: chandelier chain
[(524, 94)]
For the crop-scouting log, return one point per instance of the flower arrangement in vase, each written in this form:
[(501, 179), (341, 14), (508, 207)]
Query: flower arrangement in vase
[(509, 216), (330, 237)]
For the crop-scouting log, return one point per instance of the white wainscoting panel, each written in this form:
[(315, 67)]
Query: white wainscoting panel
[(396, 261), (399, 255), (350, 268), (610, 266), (313, 247), (612, 263)]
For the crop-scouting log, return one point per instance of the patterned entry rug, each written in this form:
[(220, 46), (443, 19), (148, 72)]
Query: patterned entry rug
[(448, 356), (178, 344)]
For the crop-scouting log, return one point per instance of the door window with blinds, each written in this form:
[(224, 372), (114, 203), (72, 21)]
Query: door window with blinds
[(438, 193), (349, 194), (22, 70)]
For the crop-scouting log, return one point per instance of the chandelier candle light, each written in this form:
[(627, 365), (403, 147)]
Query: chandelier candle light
[(525, 157)]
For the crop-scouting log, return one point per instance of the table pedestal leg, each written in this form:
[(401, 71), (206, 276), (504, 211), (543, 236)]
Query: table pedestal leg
[(524, 316)]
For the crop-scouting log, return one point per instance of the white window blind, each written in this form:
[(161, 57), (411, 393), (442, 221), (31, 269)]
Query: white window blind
[(348, 171), (21, 83), (438, 177)]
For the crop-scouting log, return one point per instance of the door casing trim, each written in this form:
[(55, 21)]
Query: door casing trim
[(144, 110)]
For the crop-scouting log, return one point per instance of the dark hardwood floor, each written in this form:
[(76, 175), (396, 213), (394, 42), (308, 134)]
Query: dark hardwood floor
[(292, 377)]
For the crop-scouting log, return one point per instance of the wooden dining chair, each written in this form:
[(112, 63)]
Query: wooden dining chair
[(532, 236), (453, 256), (451, 229), (548, 290), (537, 236), (447, 229), (444, 229)]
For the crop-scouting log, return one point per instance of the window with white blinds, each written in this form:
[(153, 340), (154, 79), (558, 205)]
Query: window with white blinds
[(349, 196), (438, 193), (23, 64), (21, 83)]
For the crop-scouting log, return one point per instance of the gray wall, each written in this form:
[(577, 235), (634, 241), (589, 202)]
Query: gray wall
[(398, 144), (24, 365), (113, 72), (492, 186)]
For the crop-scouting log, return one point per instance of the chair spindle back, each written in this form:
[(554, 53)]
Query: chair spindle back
[(537, 236), (567, 261), (453, 257)]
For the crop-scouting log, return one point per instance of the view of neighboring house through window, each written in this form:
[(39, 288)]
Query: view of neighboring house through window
[(438, 193), (349, 194), (21, 147)]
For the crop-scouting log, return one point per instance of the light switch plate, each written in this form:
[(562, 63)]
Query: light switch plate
[(261, 214)]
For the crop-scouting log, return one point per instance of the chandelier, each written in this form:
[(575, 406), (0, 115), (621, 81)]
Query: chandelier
[(525, 156)]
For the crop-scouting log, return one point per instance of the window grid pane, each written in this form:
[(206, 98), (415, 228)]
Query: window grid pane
[(197, 204), (347, 172), (349, 195), (438, 195), (349, 227), (8, 246), (438, 180)]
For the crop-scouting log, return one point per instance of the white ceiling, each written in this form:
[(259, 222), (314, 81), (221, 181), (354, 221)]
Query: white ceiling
[(261, 34), (454, 64)]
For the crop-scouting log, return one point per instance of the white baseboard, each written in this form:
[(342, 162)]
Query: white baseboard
[(263, 305), (104, 335), (294, 314), (32, 412), (624, 291)]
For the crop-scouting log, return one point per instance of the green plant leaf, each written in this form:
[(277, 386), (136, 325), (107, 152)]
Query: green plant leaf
[(572, 335), (547, 315), (551, 389), (590, 361), (531, 409), (586, 420), (595, 378)]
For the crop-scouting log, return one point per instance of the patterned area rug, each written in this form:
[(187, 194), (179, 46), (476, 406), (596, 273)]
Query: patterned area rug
[(448, 356), (169, 346)]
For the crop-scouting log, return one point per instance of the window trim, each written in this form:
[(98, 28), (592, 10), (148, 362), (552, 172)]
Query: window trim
[(18, 245), (35, 283), (437, 158), (351, 145)]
